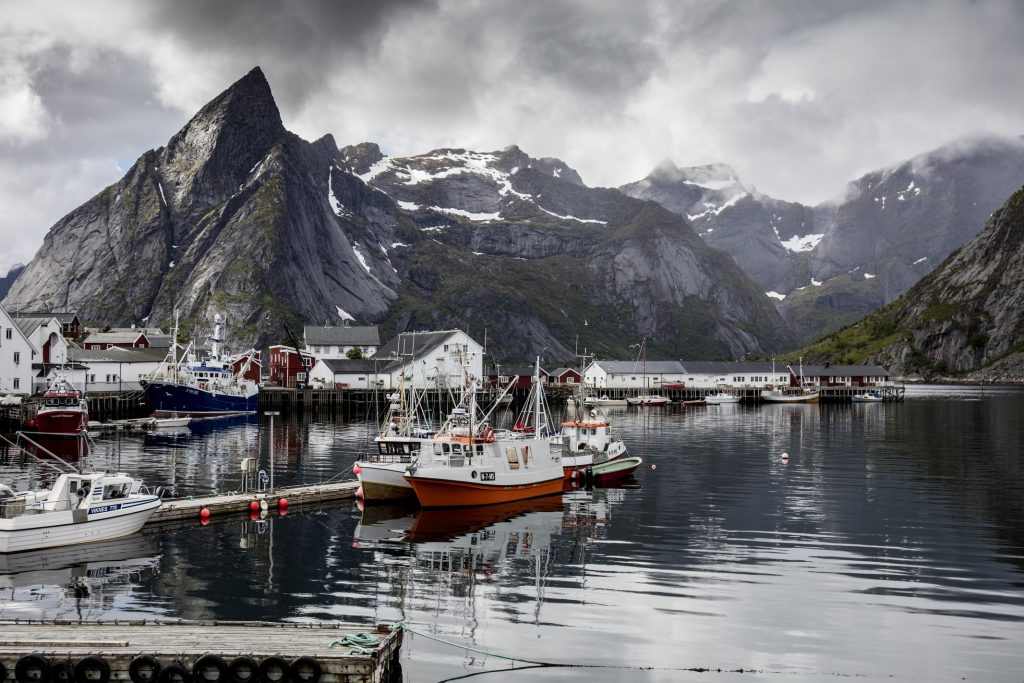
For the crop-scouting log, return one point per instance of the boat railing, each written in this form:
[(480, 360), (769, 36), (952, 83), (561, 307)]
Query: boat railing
[(388, 458)]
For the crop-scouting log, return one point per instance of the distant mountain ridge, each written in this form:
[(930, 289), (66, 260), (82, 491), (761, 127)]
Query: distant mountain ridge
[(7, 281), (238, 216), (966, 314), (832, 263)]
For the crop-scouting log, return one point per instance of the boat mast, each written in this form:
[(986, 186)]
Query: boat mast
[(538, 397)]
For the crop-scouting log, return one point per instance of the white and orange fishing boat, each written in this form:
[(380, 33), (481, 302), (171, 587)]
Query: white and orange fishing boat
[(587, 438), (469, 463)]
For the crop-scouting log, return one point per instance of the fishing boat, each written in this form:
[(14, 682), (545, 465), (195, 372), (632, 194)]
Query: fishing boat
[(867, 397), (64, 411), (695, 403), (720, 398), (406, 427), (470, 463), (586, 438), (207, 387), (78, 508), (613, 470), (797, 394)]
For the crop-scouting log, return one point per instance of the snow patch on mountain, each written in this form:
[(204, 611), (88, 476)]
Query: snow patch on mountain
[(801, 242)]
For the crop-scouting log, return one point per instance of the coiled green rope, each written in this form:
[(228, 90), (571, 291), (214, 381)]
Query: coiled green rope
[(361, 643)]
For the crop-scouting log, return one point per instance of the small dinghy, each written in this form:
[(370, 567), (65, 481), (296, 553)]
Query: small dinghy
[(615, 469)]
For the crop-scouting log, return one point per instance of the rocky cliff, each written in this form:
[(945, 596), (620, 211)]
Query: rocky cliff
[(967, 314), (237, 216), (7, 281), (830, 264)]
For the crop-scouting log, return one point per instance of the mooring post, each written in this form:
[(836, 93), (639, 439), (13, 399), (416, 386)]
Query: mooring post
[(272, 413)]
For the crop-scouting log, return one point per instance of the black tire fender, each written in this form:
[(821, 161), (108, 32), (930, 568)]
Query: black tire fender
[(274, 669), (210, 669), (243, 670), (92, 669), (306, 669), (144, 669), (32, 669)]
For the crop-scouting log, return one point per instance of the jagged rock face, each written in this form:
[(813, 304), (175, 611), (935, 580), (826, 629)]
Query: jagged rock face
[(7, 281), (231, 217), (892, 227), (900, 223), (619, 268), (236, 216), (966, 314), (766, 237)]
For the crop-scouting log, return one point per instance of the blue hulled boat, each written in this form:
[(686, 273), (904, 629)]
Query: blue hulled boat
[(193, 388)]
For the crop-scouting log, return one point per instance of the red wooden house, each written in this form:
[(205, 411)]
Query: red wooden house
[(287, 369)]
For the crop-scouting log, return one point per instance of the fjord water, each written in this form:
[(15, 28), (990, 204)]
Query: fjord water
[(889, 544)]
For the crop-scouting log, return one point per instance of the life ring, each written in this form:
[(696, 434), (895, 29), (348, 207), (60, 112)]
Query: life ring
[(175, 672), (274, 669), (32, 669), (305, 669), (92, 669), (593, 413), (243, 670), (210, 669), (488, 435), (143, 669)]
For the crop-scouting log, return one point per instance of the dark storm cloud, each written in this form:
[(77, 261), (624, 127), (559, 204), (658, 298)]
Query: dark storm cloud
[(800, 96)]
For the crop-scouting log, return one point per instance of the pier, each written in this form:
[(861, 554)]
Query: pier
[(236, 504), (206, 651)]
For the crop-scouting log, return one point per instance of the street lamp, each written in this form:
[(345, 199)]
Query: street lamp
[(271, 414)]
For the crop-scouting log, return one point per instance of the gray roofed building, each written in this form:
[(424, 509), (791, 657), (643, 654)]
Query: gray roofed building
[(344, 365), (341, 335), (708, 367), (413, 343), (28, 325), (630, 367), (115, 354), (126, 339)]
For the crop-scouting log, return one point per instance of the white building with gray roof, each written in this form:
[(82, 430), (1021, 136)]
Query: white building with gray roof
[(337, 341)]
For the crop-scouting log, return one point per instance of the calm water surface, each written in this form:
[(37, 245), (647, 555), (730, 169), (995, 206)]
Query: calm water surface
[(891, 544)]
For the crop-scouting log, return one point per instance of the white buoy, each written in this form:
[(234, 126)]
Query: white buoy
[(784, 457)]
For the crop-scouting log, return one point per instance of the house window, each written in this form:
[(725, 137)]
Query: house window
[(570, 380), (8, 335), (17, 383), (92, 378), (17, 357), (445, 346), (108, 379)]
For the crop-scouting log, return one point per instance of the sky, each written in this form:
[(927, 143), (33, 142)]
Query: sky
[(798, 96)]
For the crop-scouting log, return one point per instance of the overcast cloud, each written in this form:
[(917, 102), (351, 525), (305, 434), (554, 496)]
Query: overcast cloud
[(799, 96)]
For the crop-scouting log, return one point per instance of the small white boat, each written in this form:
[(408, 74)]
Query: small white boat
[(648, 400), (586, 441), (78, 508), (604, 400), (870, 397), (168, 422), (405, 429), (721, 397)]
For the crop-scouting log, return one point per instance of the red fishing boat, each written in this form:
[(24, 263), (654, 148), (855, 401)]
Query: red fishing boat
[(64, 410)]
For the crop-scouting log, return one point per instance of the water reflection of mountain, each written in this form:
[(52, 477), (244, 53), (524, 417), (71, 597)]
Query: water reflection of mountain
[(85, 581)]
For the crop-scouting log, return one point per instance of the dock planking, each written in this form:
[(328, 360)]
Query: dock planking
[(117, 643), (306, 496)]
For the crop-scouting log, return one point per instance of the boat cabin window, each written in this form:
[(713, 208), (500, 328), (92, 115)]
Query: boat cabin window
[(513, 458), (437, 449), (116, 491), (480, 449)]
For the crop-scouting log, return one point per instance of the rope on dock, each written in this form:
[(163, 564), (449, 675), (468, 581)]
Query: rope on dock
[(361, 643)]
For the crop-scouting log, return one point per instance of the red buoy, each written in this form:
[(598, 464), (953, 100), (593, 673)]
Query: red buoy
[(356, 469), (204, 513), (254, 506), (283, 504)]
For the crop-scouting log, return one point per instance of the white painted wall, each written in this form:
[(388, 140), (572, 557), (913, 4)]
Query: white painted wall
[(445, 365), (16, 357), (116, 376)]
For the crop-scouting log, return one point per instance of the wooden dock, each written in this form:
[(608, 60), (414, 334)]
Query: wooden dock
[(203, 651), (234, 504)]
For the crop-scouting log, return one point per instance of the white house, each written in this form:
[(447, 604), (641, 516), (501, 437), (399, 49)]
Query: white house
[(415, 359), (715, 374), (17, 354), (115, 369), (336, 342), (342, 373), (628, 374)]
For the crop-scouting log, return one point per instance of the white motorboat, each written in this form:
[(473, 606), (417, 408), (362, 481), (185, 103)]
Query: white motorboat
[(790, 395), (868, 397), (648, 400), (604, 400), (720, 398), (78, 508), (170, 422)]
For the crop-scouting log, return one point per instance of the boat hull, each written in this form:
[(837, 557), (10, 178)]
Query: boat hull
[(61, 422), (181, 400), (615, 469), (384, 481), (56, 529), (789, 398), (447, 493)]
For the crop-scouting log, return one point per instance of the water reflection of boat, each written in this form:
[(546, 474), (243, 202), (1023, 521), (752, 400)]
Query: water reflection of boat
[(445, 524), (59, 566)]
